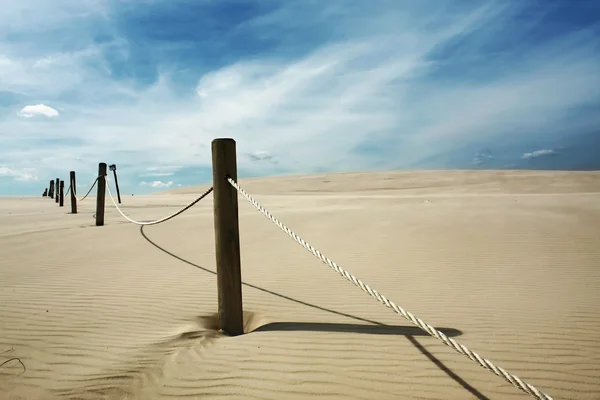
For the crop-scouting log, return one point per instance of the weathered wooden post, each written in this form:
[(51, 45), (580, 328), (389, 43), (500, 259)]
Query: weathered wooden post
[(51, 194), (57, 194), (101, 193), (45, 194), (73, 184), (113, 168), (227, 240), (61, 201)]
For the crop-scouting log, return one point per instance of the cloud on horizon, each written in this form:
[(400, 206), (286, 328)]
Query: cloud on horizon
[(539, 153), (302, 86), (157, 184), (165, 170)]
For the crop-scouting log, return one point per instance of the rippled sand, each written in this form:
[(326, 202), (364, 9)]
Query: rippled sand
[(507, 263)]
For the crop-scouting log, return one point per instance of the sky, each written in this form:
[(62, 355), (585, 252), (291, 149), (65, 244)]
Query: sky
[(303, 86)]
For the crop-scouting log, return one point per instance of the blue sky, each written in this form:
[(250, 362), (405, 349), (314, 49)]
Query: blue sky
[(303, 86)]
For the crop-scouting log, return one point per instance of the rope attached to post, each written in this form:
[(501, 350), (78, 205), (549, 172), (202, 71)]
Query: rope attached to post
[(89, 191), (159, 220), (487, 364)]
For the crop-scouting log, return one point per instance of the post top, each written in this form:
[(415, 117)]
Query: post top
[(223, 140)]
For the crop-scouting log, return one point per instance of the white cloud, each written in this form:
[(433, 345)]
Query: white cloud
[(539, 153), (157, 184), (24, 175), (38, 110)]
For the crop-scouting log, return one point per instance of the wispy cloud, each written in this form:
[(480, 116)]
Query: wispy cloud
[(23, 175), (482, 156), (302, 86), (166, 170), (539, 153), (260, 155)]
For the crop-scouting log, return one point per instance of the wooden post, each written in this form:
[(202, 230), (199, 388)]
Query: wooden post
[(61, 201), (57, 194), (101, 194), (45, 194), (51, 194), (117, 186), (227, 240), (73, 184), (113, 168)]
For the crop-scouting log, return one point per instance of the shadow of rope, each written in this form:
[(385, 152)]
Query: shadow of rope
[(410, 337)]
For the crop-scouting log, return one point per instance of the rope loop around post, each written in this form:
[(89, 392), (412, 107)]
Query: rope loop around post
[(89, 191)]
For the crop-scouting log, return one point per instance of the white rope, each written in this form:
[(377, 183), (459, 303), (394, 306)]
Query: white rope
[(487, 364), (159, 220)]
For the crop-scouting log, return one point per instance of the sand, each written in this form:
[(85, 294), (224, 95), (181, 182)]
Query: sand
[(507, 263)]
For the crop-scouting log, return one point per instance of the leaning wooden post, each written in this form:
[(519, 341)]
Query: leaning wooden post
[(101, 194), (61, 201), (73, 184), (113, 168), (227, 237)]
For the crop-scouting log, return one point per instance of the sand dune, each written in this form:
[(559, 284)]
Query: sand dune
[(507, 263)]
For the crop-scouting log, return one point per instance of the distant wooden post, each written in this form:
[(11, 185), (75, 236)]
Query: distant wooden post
[(101, 193), (227, 240), (45, 194), (61, 201), (73, 184), (57, 194), (51, 194), (113, 168)]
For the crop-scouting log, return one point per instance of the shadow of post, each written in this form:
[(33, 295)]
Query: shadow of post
[(376, 328)]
